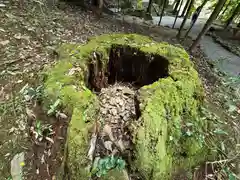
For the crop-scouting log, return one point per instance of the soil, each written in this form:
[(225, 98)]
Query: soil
[(31, 51), (44, 157)]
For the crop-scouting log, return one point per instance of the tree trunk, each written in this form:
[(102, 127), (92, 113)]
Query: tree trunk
[(185, 18), (139, 5), (149, 6), (163, 8), (203, 4), (185, 8), (235, 12), (177, 14), (201, 7), (176, 7), (226, 7), (207, 25), (175, 2)]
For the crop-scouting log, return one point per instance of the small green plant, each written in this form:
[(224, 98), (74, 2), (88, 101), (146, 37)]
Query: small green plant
[(30, 93), (40, 129), (108, 163), (54, 107)]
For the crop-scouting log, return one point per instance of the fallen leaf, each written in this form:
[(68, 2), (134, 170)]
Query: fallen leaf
[(73, 70), (220, 131), (4, 43), (8, 154), (2, 5), (96, 127), (49, 139), (108, 131), (17, 36), (12, 130), (42, 159), (30, 113), (92, 147), (108, 145), (60, 138), (61, 115), (120, 144), (232, 108), (19, 81)]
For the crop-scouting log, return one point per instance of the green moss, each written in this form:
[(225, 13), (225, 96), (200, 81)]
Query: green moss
[(84, 114), (166, 106), (158, 148)]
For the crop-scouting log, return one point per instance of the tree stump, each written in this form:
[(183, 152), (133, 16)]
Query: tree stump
[(135, 107)]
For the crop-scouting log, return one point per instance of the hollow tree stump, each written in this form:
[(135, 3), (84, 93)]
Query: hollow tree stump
[(135, 107)]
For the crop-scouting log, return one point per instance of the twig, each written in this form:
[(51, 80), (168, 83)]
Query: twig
[(225, 161)]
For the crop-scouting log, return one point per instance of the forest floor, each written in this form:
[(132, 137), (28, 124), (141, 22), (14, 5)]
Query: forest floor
[(30, 32)]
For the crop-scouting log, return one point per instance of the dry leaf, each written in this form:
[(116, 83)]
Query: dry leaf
[(125, 173), (61, 115), (108, 131), (96, 127), (108, 145), (17, 36), (73, 70), (42, 159), (4, 43), (49, 139), (120, 144), (92, 147), (2, 5), (30, 113)]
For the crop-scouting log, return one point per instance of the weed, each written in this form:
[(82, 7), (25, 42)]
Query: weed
[(40, 131), (54, 107), (104, 165)]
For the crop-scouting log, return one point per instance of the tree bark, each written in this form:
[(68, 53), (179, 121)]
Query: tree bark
[(203, 4), (164, 4), (149, 6), (177, 14), (176, 7), (207, 25), (226, 7), (185, 18), (235, 12), (201, 7), (185, 8)]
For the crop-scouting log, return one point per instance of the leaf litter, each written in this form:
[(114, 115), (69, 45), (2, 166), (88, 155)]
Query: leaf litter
[(113, 142)]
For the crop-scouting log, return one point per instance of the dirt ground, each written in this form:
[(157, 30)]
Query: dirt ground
[(30, 33)]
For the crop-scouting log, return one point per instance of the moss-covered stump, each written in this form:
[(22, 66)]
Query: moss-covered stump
[(168, 136)]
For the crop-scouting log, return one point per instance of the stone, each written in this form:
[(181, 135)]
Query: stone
[(17, 166)]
